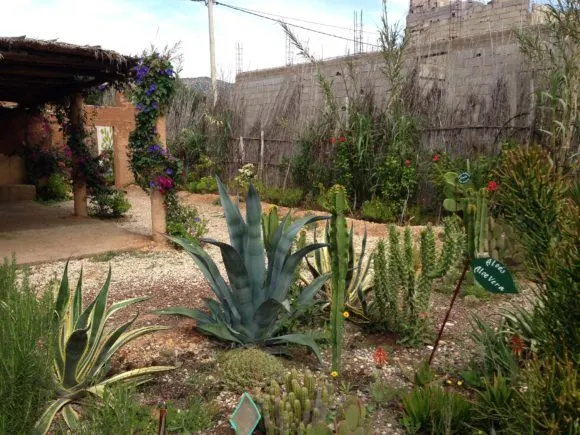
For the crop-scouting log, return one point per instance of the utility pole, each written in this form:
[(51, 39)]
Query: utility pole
[(210, 4)]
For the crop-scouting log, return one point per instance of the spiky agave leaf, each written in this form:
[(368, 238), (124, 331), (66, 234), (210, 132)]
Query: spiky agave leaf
[(84, 348), (252, 305)]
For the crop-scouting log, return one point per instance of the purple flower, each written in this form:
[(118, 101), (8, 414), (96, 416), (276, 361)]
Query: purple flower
[(155, 106), (140, 107), (152, 184), (196, 219), (141, 72), (154, 149), (151, 89), (155, 129), (102, 87), (169, 171), (168, 72)]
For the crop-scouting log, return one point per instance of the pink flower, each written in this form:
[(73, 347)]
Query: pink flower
[(407, 163), (164, 183), (436, 158)]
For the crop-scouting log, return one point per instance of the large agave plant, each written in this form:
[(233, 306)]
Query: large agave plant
[(84, 348), (253, 305), (358, 276)]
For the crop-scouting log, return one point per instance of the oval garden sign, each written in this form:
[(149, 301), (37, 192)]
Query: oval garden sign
[(493, 275), (464, 178)]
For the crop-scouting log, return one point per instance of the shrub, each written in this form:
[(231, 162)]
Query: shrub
[(244, 369), (195, 417), (434, 410), (183, 221), (282, 197), (204, 185), (57, 188), (117, 413), (110, 203), (26, 332), (541, 202), (377, 210)]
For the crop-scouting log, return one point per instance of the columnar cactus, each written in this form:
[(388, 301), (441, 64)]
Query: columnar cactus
[(339, 257), (404, 276), (294, 410)]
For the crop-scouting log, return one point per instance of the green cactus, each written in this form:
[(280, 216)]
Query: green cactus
[(304, 402), (352, 417), (339, 257), (404, 276)]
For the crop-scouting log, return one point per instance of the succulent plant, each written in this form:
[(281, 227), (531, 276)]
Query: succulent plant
[(339, 258), (254, 305), (84, 348), (297, 405), (404, 276), (242, 369), (358, 274)]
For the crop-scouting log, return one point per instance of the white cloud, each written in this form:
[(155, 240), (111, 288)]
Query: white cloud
[(130, 26)]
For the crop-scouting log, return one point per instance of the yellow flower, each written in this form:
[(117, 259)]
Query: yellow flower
[(459, 382), (448, 381), (334, 374), (345, 314)]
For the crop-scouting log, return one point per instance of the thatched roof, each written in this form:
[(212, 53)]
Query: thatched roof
[(33, 71)]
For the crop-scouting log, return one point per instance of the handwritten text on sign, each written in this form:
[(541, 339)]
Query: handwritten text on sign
[(493, 275)]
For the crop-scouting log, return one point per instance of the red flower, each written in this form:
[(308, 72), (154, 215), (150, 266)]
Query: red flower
[(380, 357), (342, 139), (164, 183), (407, 163), (436, 158), (332, 140), (492, 186), (517, 344)]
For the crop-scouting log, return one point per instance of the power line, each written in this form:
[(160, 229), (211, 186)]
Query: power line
[(293, 25), (300, 20)]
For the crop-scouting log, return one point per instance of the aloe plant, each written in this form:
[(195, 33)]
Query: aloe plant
[(83, 350), (254, 305)]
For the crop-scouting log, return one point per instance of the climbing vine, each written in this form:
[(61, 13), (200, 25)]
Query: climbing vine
[(153, 87)]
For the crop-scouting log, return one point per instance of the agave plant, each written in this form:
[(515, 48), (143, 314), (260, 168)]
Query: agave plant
[(84, 348), (358, 275), (253, 305)]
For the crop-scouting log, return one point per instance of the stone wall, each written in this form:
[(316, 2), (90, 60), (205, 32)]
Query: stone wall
[(467, 51)]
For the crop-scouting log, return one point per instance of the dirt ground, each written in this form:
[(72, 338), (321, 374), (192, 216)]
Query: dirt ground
[(170, 278)]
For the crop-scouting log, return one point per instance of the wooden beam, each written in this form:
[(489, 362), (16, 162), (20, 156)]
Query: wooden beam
[(51, 59)]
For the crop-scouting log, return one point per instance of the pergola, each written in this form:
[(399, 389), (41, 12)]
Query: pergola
[(33, 72)]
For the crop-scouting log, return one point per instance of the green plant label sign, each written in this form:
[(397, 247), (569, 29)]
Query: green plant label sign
[(463, 178), (493, 275)]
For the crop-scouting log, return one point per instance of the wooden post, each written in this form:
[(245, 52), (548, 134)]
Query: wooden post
[(79, 182), (242, 152), (158, 211), (261, 167)]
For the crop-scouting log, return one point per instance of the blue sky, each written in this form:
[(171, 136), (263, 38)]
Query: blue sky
[(130, 26)]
